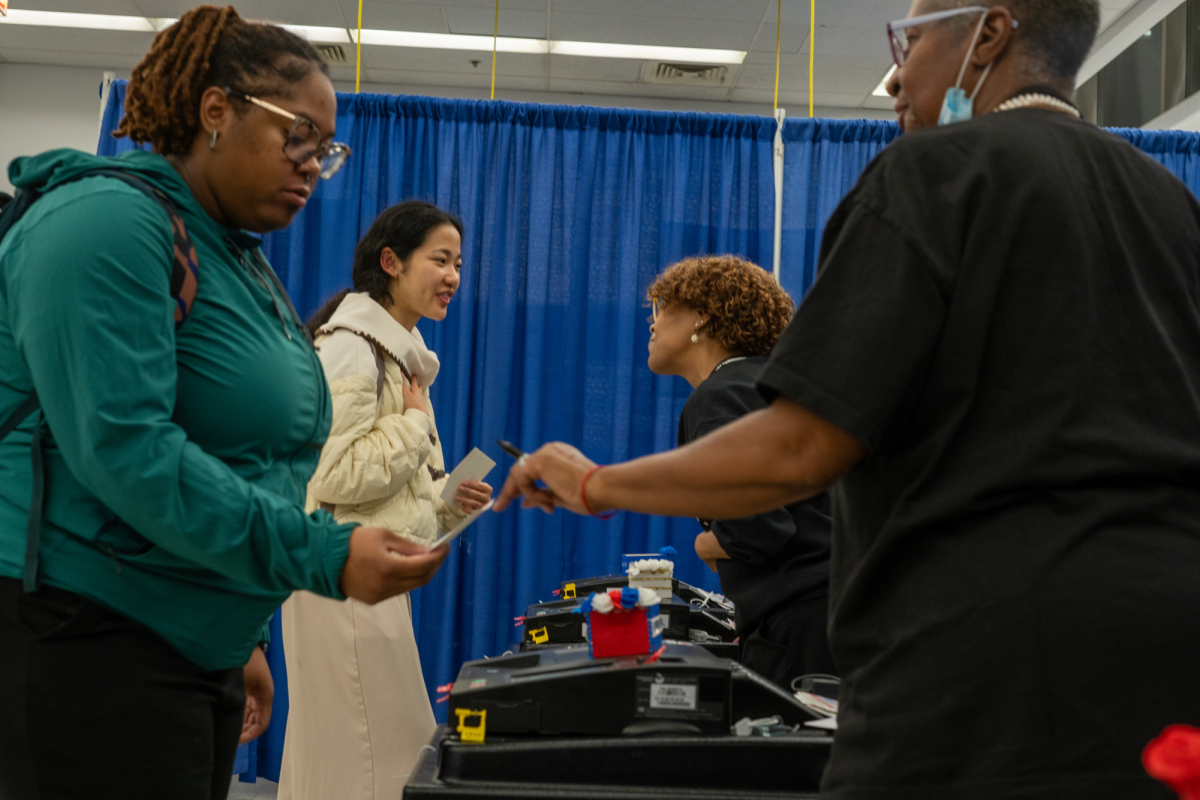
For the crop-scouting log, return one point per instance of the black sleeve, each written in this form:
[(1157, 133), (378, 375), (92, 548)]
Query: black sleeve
[(866, 331), (755, 539)]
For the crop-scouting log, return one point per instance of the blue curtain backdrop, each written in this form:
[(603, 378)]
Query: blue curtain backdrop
[(569, 213)]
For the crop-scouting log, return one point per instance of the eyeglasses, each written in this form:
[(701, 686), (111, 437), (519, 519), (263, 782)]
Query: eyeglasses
[(303, 141), (898, 30)]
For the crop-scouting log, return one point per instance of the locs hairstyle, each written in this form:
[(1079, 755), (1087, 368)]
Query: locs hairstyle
[(208, 46)]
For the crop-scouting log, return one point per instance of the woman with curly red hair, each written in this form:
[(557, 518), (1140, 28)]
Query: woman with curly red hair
[(715, 320)]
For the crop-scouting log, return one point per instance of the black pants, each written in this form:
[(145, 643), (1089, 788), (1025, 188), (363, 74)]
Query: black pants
[(791, 641), (94, 705)]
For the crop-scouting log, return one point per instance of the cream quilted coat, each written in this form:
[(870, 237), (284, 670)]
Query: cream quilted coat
[(360, 715), (374, 467)]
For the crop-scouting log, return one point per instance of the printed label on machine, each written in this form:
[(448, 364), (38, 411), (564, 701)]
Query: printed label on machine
[(673, 696), (670, 698)]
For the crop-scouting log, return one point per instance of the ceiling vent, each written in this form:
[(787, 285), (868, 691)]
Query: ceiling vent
[(684, 74), (332, 53)]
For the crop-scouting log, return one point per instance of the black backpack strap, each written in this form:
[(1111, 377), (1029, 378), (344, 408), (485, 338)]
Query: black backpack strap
[(20, 414), (33, 525)]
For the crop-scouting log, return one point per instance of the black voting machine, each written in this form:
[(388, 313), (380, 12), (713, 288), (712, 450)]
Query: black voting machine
[(550, 721)]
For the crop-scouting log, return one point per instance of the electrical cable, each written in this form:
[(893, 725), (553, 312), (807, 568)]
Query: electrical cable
[(495, 38), (358, 59)]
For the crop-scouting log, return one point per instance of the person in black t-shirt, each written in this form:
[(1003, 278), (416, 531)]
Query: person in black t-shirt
[(1000, 362), (715, 319)]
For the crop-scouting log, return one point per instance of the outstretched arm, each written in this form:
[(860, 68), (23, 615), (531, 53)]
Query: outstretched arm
[(765, 460)]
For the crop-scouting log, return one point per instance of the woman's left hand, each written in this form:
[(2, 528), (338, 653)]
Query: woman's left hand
[(472, 495), (260, 694)]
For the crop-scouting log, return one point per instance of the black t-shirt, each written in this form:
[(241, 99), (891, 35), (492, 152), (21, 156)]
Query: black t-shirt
[(1007, 314), (774, 557)]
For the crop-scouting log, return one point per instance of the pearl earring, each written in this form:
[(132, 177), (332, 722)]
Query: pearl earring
[(695, 335), (212, 143)]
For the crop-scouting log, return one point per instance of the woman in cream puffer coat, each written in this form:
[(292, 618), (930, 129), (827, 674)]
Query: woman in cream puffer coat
[(359, 711)]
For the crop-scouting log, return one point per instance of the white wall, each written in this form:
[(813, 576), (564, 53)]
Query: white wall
[(42, 108)]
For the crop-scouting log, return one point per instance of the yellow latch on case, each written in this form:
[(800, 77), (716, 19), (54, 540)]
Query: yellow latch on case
[(471, 733), (569, 591), (540, 636)]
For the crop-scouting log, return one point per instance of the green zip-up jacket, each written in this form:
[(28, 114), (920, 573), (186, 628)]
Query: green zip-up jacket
[(177, 461)]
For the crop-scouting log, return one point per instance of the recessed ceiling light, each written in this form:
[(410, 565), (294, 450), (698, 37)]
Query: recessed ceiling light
[(315, 33), (881, 89), (62, 19), (435, 41), (693, 55), (450, 41)]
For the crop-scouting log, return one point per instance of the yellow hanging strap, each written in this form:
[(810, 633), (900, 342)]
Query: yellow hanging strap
[(778, 27), (812, 44), (358, 62), (495, 37)]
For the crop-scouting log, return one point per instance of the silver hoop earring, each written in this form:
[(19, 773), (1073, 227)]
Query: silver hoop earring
[(212, 143)]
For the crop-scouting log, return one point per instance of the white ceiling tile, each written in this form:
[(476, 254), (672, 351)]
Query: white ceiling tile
[(123, 7), (379, 15), (451, 61), (597, 69), (881, 103), (637, 89), (416, 78), (481, 22), (860, 81), (859, 14), (73, 40), (867, 42), (879, 64), (793, 39), (714, 10), (66, 58), (295, 12), (640, 30)]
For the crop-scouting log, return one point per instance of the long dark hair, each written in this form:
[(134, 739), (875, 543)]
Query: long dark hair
[(404, 227)]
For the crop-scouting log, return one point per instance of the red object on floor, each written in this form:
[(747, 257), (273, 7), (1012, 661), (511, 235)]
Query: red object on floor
[(621, 632), (1174, 758)]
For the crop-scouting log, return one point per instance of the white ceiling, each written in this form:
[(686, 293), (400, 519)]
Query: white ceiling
[(851, 47)]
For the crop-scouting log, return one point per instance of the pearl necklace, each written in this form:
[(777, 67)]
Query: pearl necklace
[(1037, 99), (728, 361)]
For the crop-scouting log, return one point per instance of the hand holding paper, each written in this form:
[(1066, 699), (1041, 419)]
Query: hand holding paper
[(472, 469)]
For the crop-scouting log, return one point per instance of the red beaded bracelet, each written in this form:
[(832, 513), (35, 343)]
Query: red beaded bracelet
[(583, 494)]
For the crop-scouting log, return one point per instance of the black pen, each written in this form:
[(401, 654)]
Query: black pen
[(512, 450)]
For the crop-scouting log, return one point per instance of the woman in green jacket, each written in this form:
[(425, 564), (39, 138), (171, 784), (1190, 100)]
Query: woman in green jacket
[(173, 457)]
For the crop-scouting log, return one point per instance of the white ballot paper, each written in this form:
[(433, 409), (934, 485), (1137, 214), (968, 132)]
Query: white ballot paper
[(474, 467), (462, 526)]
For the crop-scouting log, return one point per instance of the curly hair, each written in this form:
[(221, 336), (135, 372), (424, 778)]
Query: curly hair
[(747, 310), (208, 46)]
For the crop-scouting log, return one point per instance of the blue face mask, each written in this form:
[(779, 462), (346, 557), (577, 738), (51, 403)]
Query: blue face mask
[(957, 107)]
